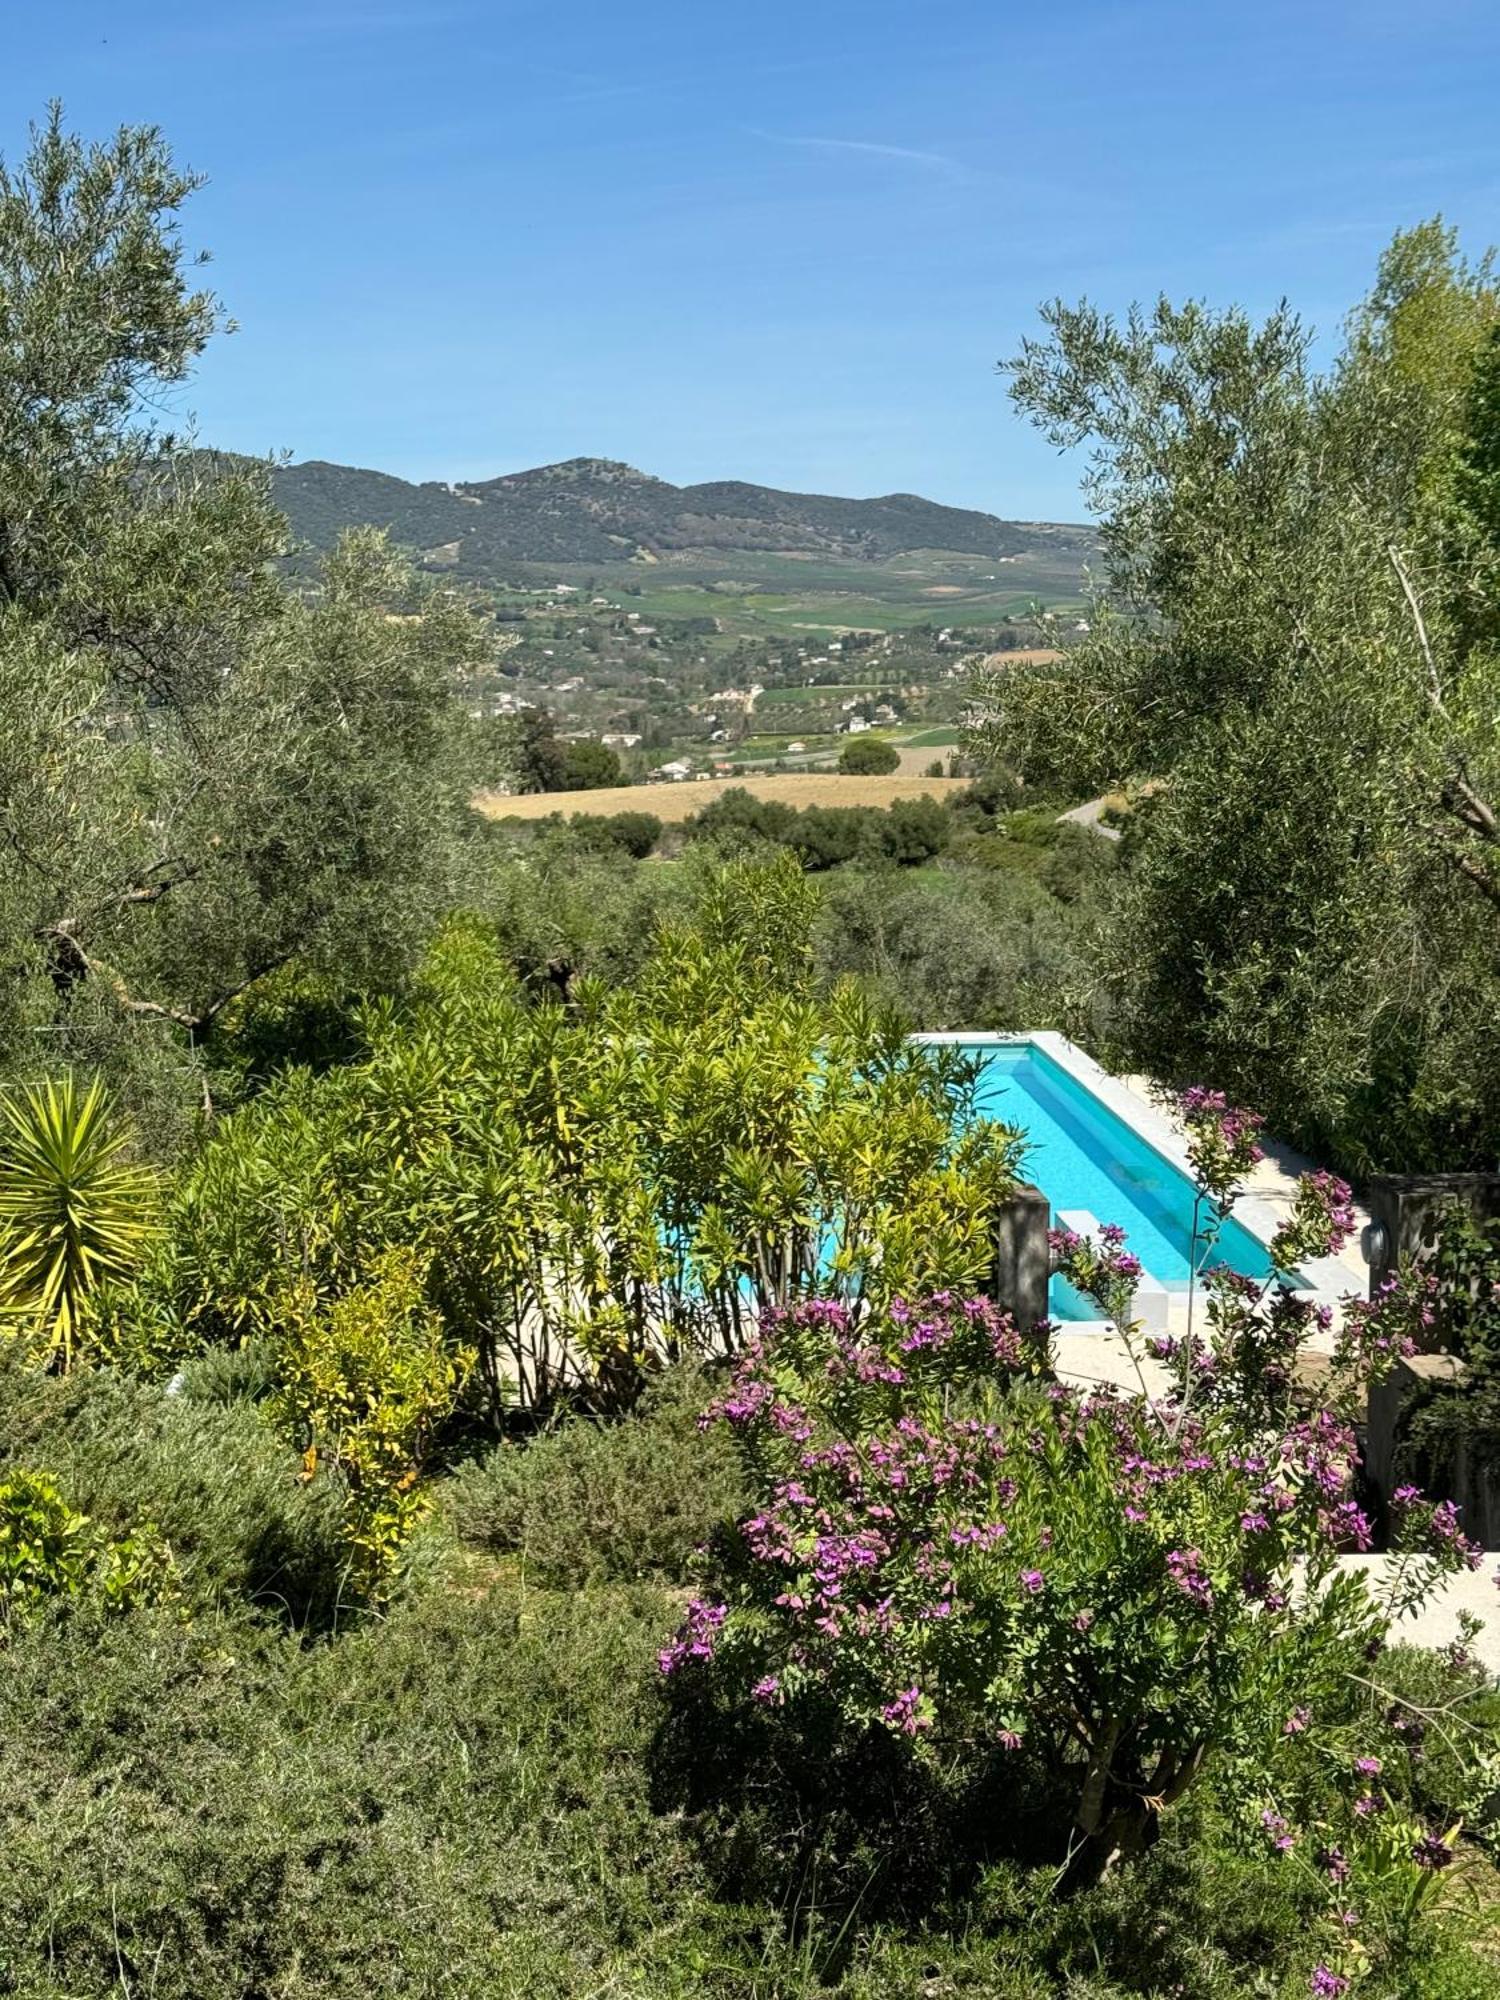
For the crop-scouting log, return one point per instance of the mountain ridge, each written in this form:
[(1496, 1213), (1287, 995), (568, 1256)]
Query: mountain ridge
[(594, 510)]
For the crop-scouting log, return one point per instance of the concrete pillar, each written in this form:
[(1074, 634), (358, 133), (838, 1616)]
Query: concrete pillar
[(1473, 1485), (1023, 1260), (1406, 1211)]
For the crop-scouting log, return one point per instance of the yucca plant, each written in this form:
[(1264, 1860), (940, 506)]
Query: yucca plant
[(75, 1210)]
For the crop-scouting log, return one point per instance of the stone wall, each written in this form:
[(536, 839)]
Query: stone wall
[(1406, 1212)]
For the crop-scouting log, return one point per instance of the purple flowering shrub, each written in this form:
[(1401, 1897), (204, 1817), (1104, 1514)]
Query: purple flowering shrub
[(953, 1551), (1099, 1266), (1223, 1141), (1351, 1824), (1105, 1595)]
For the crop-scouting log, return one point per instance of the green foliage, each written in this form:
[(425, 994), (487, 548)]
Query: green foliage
[(909, 832), (560, 912), (968, 948), (1294, 636), (221, 1487), (466, 1793), (632, 833), (590, 766), (592, 1187), (540, 752), (49, 1551), (1454, 1295), (205, 778), (363, 1380), (594, 1502), (75, 1210), (869, 757), (453, 1799)]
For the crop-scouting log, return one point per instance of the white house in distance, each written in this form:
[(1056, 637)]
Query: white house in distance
[(674, 772)]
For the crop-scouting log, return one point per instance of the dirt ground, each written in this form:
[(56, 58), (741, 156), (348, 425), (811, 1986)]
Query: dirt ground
[(677, 802)]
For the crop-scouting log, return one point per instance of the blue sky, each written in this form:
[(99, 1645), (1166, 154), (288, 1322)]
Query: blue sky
[(781, 242)]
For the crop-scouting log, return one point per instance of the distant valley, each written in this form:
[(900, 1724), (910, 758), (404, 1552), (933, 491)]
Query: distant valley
[(730, 625)]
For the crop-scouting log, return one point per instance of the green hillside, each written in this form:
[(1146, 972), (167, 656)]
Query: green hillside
[(595, 512)]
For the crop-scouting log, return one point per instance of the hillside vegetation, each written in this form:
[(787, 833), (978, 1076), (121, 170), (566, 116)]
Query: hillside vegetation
[(592, 510)]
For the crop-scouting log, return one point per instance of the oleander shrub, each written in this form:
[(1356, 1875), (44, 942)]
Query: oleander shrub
[(590, 1189)]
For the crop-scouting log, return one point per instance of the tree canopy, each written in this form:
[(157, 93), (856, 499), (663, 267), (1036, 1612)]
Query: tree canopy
[(869, 757), (204, 776), (1296, 631)]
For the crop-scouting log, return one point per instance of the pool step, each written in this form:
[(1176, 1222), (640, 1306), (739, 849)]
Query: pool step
[(1150, 1295)]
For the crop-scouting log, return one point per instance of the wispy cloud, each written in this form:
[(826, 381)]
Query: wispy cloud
[(915, 156)]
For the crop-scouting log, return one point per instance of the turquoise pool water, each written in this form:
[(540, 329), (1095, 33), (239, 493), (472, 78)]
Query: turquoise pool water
[(1084, 1157)]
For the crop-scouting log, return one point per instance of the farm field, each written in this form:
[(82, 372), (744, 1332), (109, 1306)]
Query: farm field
[(678, 802), (826, 691), (768, 595)]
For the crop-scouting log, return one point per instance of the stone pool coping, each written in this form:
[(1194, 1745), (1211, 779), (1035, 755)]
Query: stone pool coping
[(1261, 1210)]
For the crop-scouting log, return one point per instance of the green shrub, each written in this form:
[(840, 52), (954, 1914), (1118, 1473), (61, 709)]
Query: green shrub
[(632, 833), (589, 1189), (364, 1381), (736, 818), (50, 1552), (244, 1374), (220, 1487), (76, 1210), (908, 832), (451, 1800), (963, 948), (592, 1501), (869, 756)]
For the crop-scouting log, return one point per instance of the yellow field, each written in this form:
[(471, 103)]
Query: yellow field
[(676, 802)]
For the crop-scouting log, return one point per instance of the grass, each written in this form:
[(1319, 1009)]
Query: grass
[(677, 802), (923, 739)]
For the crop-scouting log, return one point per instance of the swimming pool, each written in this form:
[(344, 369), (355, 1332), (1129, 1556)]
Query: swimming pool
[(1086, 1157)]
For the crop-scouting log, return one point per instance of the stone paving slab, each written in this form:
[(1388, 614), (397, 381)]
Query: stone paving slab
[(1437, 1623)]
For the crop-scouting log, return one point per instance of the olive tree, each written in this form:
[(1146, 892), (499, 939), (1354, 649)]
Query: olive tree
[(1295, 634), (204, 776)]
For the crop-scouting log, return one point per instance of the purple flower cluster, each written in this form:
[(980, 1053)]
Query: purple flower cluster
[(1185, 1567), (1223, 1141), (1334, 1863), (904, 1713), (695, 1639), (1098, 1266), (1320, 1224), (1435, 1526), (1431, 1852), (949, 1549)]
